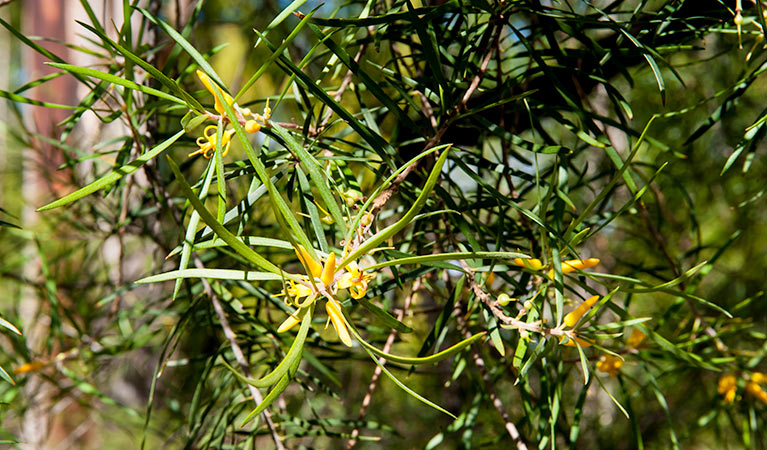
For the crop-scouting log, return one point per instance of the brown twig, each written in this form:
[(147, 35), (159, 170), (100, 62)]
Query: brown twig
[(480, 363)]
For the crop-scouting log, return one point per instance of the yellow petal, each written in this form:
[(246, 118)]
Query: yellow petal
[(530, 263), (329, 271), (572, 318), (345, 281), (33, 366), (571, 343), (336, 318), (315, 269), (206, 81), (358, 291), (289, 323), (574, 264)]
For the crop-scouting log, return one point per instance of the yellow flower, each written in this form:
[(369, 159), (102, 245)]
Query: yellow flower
[(575, 264), (297, 291), (207, 142), (572, 318), (355, 280), (337, 319), (530, 263), (610, 364), (206, 81), (757, 391), (758, 377), (207, 149), (251, 126), (315, 269), (728, 385), (33, 366)]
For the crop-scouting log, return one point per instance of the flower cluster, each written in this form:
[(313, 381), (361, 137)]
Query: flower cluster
[(252, 123), (728, 386), (331, 280), (567, 266), (610, 364)]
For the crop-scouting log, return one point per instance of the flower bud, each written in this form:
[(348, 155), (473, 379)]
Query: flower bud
[(315, 269), (251, 126), (329, 271), (503, 299)]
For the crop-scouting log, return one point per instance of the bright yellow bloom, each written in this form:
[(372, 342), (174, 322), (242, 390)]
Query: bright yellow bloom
[(757, 391), (575, 264), (572, 318), (337, 319), (610, 364), (206, 81), (530, 263), (355, 280), (758, 377), (207, 142), (251, 126), (297, 291), (315, 269), (207, 149), (728, 386)]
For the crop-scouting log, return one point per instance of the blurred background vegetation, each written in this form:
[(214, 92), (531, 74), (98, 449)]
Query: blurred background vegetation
[(542, 101)]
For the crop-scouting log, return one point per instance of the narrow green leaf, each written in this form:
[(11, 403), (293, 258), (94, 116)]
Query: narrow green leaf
[(425, 259), (214, 274), (387, 319), (435, 358), (113, 176), (321, 182), (405, 388), (191, 102), (391, 230), (219, 229), (108, 77), (278, 388), (189, 48), (294, 354), (4, 323), (6, 376)]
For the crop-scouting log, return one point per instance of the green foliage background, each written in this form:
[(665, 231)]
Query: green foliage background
[(629, 131)]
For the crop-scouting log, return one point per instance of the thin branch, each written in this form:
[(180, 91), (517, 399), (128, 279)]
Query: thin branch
[(238, 354), (480, 363)]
